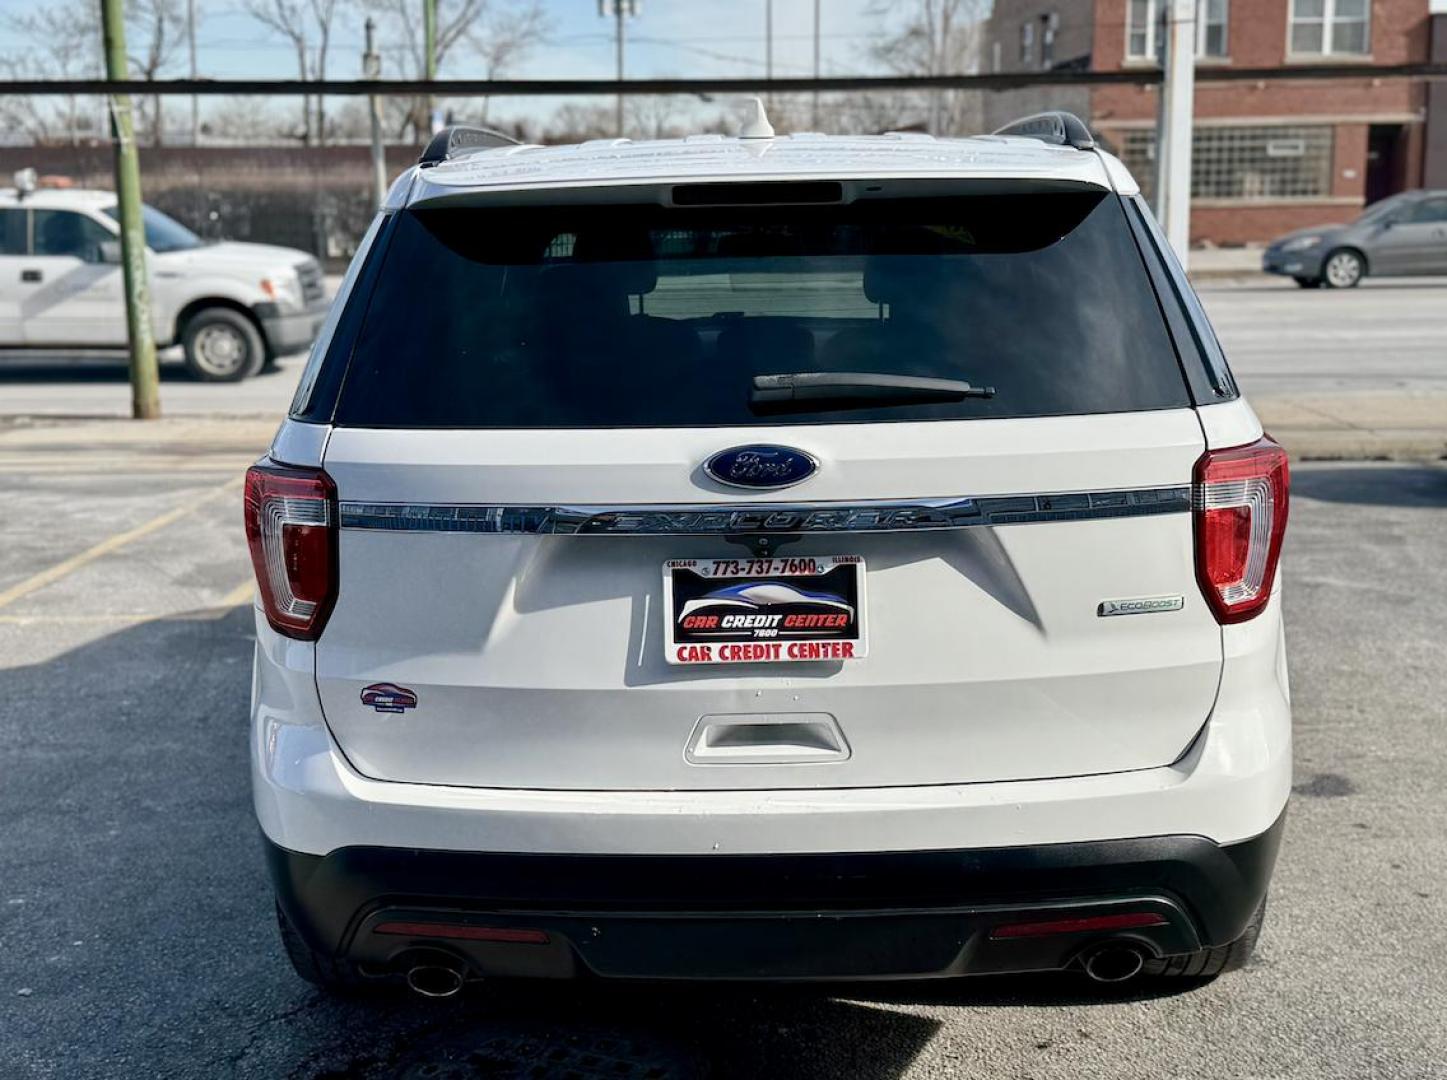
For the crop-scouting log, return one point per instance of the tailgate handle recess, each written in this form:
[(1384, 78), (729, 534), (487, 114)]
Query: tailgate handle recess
[(766, 739)]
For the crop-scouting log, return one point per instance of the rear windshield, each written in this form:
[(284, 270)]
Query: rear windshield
[(647, 316)]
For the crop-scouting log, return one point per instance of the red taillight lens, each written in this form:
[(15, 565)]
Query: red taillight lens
[(1240, 499), (505, 934), (1125, 920), (291, 528)]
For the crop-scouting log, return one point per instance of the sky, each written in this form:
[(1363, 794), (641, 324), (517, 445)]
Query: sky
[(668, 38)]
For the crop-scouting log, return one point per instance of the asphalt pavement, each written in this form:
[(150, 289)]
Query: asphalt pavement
[(136, 936)]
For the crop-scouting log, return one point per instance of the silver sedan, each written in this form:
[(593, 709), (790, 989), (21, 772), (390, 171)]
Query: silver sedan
[(1403, 234)]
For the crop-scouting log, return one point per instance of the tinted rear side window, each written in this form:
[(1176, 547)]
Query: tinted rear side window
[(645, 316), (12, 231)]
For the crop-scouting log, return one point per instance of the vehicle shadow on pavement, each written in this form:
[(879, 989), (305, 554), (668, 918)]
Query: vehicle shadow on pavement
[(107, 371), (1383, 484), (140, 936), (590, 1029), (104, 371), (553, 1031)]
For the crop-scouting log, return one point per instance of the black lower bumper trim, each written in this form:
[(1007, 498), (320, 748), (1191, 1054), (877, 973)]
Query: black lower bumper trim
[(885, 914)]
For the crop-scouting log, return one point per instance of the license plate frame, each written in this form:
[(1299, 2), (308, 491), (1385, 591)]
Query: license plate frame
[(795, 610)]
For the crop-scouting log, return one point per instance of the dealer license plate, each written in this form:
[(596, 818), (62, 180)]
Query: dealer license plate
[(783, 609)]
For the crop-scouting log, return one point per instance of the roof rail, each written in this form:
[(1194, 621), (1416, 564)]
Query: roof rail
[(452, 142), (1057, 127)]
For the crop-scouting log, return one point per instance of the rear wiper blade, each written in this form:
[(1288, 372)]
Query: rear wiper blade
[(864, 387)]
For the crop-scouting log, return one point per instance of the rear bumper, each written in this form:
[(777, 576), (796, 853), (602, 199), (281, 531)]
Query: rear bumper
[(822, 916)]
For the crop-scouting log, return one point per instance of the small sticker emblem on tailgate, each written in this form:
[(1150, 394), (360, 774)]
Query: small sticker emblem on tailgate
[(1141, 605), (388, 697)]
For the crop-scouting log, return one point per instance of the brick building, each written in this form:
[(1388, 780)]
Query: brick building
[(1268, 156)]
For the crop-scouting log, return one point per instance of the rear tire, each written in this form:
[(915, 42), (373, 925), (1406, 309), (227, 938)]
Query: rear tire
[(1208, 963), (325, 972), (1343, 269), (222, 345)]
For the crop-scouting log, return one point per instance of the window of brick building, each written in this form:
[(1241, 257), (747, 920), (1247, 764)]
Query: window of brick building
[(1027, 41), (1146, 28), (1330, 27), (1047, 40), (1244, 163)]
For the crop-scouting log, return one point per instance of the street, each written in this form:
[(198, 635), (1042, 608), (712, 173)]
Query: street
[(1386, 335), (136, 918), (136, 931)]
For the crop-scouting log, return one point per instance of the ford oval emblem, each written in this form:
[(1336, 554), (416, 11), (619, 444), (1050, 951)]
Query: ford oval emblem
[(760, 466)]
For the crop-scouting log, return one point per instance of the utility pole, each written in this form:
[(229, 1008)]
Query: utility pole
[(1177, 123), (814, 112), (429, 61), (145, 396), (618, 33), (191, 48), (769, 48), (372, 69), (620, 10)]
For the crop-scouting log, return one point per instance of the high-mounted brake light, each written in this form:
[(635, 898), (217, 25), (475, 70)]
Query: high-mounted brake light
[(291, 528), (1239, 501)]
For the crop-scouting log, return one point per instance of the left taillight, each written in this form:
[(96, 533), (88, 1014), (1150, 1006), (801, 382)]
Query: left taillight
[(291, 528), (1240, 498)]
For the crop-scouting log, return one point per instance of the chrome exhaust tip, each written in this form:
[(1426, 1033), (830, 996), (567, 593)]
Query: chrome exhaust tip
[(1114, 962), (435, 980)]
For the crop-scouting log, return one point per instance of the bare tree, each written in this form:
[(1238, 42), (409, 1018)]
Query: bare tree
[(54, 41), (573, 123), (307, 26), (933, 37), (497, 33), (501, 38), (656, 116), (287, 18), (323, 11), (246, 121), (155, 30)]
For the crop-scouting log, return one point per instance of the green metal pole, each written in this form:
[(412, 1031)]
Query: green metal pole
[(429, 43), (145, 396)]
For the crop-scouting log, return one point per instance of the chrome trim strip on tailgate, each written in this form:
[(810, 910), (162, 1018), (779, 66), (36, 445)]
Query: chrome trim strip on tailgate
[(715, 519)]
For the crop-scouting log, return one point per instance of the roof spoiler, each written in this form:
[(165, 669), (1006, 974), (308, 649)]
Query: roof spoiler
[(455, 141), (1056, 127)]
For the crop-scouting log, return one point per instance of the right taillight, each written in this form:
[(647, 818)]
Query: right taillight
[(291, 528), (1239, 499)]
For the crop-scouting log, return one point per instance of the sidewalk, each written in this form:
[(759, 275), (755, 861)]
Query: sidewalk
[(1375, 425), (219, 445), (1365, 425), (1205, 263)]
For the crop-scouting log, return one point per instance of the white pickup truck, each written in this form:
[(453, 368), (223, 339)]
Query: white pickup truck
[(233, 307)]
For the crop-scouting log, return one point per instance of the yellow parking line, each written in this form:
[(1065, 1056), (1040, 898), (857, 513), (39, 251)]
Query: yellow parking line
[(26, 620), (124, 618), (112, 543), (237, 596)]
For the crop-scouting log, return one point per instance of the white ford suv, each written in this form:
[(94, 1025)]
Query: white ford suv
[(231, 306), (782, 558)]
